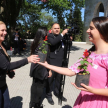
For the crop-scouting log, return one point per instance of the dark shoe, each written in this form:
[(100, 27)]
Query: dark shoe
[(38, 106), (20, 54), (31, 105), (50, 100), (41, 106), (63, 98)]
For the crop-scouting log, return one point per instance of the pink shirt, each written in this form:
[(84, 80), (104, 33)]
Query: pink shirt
[(98, 72)]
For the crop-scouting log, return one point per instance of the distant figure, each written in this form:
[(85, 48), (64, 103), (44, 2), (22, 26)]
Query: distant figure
[(22, 44), (17, 36)]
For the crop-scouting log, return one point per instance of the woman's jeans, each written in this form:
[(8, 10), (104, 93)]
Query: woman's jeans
[(4, 97)]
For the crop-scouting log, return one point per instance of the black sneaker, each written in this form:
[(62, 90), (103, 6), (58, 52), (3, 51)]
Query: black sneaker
[(50, 100), (63, 98), (38, 106)]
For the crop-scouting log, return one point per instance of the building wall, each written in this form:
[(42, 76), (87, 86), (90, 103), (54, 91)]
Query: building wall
[(91, 11)]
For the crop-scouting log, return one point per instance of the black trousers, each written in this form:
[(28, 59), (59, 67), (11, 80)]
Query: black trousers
[(56, 78), (16, 47), (37, 89)]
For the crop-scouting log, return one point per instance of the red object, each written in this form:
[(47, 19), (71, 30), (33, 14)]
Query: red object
[(45, 38), (44, 0), (11, 48), (86, 53), (49, 31)]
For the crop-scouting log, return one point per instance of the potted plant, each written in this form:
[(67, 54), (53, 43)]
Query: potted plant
[(43, 49), (84, 75)]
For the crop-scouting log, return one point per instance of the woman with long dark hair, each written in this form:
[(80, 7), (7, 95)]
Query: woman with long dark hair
[(38, 72), (95, 95)]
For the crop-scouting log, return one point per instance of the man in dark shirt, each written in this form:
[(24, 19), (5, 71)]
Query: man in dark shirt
[(55, 57)]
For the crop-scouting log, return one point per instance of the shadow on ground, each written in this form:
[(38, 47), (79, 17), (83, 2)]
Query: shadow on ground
[(16, 102), (74, 48), (67, 106)]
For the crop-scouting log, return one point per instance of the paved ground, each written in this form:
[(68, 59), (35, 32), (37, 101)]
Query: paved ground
[(19, 86)]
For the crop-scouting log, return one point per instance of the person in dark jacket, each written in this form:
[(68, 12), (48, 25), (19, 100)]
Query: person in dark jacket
[(39, 73), (6, 67), (55, 38)]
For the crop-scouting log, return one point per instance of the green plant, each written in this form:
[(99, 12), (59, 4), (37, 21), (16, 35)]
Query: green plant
[(44, 46), (84, 63)]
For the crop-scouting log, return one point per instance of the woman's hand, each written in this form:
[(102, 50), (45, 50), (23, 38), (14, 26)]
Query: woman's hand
[(50, 73), (33, 58), (86, 88), (43, 64)]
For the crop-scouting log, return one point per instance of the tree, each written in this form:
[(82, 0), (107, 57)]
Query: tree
[(26, 13), (78, 24), (29, 17), (74, 18), (46, 20), (58, 7), (11, 11)]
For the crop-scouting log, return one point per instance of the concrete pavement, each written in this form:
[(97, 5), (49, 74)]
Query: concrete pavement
[(19, 86)]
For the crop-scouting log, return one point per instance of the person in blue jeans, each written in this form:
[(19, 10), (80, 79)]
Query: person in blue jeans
[(6, 67)]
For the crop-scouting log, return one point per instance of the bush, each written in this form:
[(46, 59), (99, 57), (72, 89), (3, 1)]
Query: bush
[(78, 38)]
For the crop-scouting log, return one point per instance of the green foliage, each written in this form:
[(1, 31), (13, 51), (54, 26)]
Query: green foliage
[(58, 7), (11, 11), (43, 46), (53, 4), (84, 64), (77, 22), (28, 18), (78, 37), (10, 14), (46, 20), (79, 3)]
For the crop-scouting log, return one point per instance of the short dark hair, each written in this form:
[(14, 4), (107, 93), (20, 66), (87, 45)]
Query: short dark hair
[(101, 24), (54, 23)]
